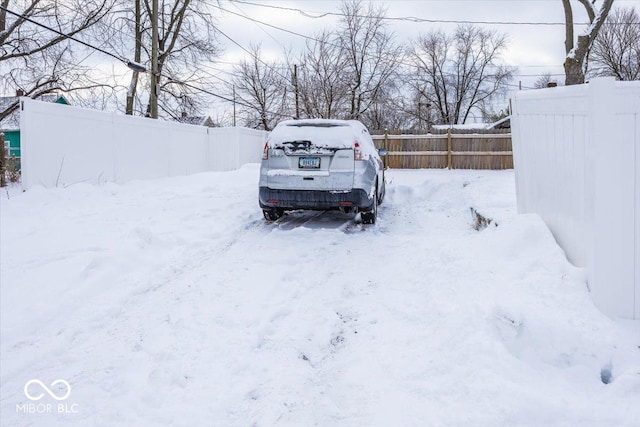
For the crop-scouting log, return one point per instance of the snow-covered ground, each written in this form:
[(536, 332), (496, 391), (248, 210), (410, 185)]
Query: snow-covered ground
[(172, 303)]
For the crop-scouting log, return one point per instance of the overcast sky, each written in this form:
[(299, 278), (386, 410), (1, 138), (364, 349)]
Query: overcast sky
[(533, 49)]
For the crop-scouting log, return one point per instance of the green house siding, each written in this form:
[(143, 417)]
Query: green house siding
[(12, 137)]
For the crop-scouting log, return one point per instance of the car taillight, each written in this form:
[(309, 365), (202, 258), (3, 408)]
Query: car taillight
[(265, 151), (357, 151)]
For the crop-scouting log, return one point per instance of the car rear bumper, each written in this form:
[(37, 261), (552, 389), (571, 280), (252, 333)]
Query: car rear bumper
[(314, 199)]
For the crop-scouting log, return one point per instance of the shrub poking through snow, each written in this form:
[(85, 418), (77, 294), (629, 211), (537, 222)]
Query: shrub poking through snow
[(9, 165), (606, 373), (480, 222), (12, 169)]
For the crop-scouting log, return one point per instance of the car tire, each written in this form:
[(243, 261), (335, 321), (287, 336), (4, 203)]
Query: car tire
[(272, 214), (370, 216)]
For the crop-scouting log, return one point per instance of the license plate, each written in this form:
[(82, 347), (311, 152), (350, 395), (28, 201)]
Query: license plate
[(309, 162)]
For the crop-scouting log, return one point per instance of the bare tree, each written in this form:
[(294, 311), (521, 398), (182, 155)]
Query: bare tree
[(186, 40), (371, 54), (459, 73), (3, 18), (577, 51), (616, 50), (20, 38), (322, 86), (261, 90), (39, 61), (138, 32), (392, 109), (342, 72), (544, 81)]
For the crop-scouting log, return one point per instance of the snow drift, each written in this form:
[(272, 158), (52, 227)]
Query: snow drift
[(171, 302)]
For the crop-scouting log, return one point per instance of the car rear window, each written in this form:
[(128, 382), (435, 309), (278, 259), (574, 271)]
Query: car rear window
[(319, 134), (318, 125)]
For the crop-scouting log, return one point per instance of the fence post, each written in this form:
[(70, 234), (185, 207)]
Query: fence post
[(3, 162), (449, 148), (386, 147)]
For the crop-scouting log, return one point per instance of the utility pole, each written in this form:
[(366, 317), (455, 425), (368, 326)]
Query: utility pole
[(153, 98), (234, 105), (295, 85)]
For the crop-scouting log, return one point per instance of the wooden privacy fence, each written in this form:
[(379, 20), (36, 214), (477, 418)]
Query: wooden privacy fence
[(450, 150)]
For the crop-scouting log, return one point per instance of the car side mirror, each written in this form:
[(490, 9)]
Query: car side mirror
[(382, 152)]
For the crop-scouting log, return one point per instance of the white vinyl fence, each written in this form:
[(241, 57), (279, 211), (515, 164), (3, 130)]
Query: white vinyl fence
[(577, 164), (62, 145)]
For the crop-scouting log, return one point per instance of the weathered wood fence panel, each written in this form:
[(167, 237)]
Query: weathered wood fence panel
[(451, 150)]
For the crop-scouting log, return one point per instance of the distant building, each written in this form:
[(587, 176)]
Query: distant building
[(504, 123), (196, 120), (461, 126), (10, 125)]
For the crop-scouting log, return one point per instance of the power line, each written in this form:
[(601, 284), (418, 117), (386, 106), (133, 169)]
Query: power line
[(257, 21), (210, 74), (261, 29), (313, 39), (308, 14), (140, 68), (244, 104), (253, 55), (130, 64), (267, 24)]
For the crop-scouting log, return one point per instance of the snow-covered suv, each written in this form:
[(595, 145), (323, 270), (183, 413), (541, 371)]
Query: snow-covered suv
[(321, 164)]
